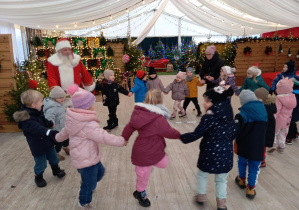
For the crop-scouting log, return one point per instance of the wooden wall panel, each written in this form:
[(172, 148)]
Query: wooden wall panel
[(6, 81), (267, 63)]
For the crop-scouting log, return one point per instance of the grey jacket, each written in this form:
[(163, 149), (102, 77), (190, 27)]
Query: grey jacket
[(179, 90), (54, 112), (155, 84)]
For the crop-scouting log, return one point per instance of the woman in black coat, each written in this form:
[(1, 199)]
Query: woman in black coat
[(211, 67)]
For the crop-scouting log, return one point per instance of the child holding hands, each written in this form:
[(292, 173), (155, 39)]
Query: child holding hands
[(179, 90), (149, 119), (217, 127), (82, 128)]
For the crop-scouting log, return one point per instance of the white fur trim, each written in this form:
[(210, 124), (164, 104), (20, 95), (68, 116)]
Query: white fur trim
[(90, 87), (151, 108), (259, 72), (62, 44), (66, 73), (56, 61)]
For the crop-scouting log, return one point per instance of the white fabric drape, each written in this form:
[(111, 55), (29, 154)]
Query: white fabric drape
[(149, 26), (229, 23), (64, 13), (8, 28)]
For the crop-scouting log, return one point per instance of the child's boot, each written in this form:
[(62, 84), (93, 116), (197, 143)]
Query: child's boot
[(221, 204), (61, 158), (66, 150), (201, 199), (109, 126), (39, 180), (57, 171), (241, 182), (250, 193), (142, 198)]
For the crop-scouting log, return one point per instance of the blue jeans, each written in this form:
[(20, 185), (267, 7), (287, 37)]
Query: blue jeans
[(41, 161), (253, 170), (89, 176), (220, 182)]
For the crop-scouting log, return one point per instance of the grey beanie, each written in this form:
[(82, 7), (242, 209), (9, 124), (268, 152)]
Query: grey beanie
[(107, 73), (246, 96), (190, 69), (57, 92)]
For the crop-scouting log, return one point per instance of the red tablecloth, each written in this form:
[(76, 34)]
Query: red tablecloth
[(268, 77)]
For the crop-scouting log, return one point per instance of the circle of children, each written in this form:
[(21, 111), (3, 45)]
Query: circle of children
[(267, 117)]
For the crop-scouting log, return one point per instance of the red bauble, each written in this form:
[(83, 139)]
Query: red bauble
[(126, 58), (32, 84)]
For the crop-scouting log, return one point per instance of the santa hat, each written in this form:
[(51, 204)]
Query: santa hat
[(227, 70), (62, 43)]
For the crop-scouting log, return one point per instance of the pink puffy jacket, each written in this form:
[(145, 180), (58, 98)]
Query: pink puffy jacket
[(82, 128), (285, 104)]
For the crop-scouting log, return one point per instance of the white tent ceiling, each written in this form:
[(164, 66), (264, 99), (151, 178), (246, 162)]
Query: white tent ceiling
[(228, 17)]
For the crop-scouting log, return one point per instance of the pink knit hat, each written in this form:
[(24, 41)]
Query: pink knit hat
[(81, 98), (211, 49), (284, 86), (181, 75)]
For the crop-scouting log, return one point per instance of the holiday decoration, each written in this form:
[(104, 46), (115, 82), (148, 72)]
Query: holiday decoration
[(143, 58), (280, 48), (79, 42), (151, 53), (229, 53), (49, 42), (103, 41), (289, 52), (269, 51), (160, 51), (126, 58), (37, 42), (247, 51)]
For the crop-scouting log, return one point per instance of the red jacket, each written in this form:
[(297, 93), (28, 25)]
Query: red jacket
[(152, 128), (60, 74)]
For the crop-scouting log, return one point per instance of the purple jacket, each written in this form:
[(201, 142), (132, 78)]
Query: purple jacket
[(230, 80)]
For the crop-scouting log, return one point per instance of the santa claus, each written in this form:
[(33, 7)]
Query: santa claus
[(66, 68)]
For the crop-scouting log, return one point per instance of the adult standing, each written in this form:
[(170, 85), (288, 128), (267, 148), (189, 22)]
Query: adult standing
[(66, 68), (211, 67)]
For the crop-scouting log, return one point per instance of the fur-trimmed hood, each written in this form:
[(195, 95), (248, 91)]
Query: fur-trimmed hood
[(20, 116), (270, 100), (55, 60), (158, 109)]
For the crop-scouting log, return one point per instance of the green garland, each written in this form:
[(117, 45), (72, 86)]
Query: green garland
[(53, 40), (97, 50), (76, 40)]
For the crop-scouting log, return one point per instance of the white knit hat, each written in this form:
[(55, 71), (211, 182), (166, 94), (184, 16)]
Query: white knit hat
[(227, 70), (57, 92), (62, 43)]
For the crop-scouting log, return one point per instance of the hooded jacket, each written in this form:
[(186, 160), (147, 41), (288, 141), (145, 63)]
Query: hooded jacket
[(35, 127), (287, 74), (54, 112), (150, 122), (82, 128), (179, 90), (218, 129), (192, 87), (252, 85), (285, 103), (252, 126), (271, 110), (139, 89)]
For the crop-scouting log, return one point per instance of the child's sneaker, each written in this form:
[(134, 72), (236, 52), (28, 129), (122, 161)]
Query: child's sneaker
[(280, 150), (183, 114), (142, 198), (240, 182), (221, 204), (271, 149), (289, 141), (250, 193), (85, 207), (39, 181), (263, 164), (297, 137), (201, 199)]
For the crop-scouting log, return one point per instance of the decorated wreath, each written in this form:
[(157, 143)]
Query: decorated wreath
[(269, 51), (247, 51)]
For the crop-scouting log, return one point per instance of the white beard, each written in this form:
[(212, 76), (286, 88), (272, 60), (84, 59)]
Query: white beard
[(66, 59)]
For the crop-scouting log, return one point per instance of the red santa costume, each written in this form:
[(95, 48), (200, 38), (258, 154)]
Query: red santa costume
[(64, 74)]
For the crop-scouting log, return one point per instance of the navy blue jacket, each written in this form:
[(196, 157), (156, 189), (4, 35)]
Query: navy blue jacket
[(288, 74), (34, 126), (218, 129), (252, 127)]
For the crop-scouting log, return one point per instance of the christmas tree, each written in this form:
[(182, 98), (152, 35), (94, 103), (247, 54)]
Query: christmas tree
[(151, 53), (187, 55), (160, 50), (229, 53), (135, 54)]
